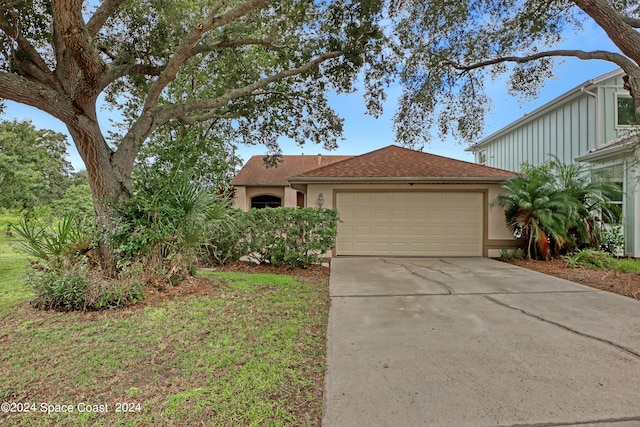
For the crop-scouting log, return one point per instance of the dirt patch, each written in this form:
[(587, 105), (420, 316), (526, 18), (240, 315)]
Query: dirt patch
[(627, 284), (197, 286), (200, 286), (313, 272)]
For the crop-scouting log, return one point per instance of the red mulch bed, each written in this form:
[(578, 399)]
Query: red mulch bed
[(627, 284)]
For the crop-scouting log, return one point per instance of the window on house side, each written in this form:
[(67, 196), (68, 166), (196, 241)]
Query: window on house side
[(482, 157), (615, 175), (260, 202), (626, 114)]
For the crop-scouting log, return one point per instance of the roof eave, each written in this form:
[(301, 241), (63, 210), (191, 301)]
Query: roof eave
[(394, 180), (606, 153), (254, 184)]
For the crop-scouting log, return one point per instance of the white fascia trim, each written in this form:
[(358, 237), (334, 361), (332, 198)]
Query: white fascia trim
[(605, 153)]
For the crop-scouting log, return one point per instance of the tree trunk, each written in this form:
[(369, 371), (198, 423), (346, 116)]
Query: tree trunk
[(108, 185)]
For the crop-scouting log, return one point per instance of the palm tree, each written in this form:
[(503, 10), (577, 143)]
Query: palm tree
[(593, 192), (537, 212)]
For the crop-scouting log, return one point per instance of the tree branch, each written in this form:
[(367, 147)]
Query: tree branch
[(632, 22), (18, 89), (235, 43), (625, 37), (68, 20), (30, 59), (147, 122), (190, 120), (183, 52), (118, 71), (620, 60), (168, 112), (100, 16)]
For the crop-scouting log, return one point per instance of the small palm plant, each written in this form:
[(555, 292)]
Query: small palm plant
[(198, 212), (537, 212), (593, 192), (165, 227), (52, 244)]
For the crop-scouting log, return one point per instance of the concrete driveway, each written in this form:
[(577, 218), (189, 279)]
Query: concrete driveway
[(476, 342)]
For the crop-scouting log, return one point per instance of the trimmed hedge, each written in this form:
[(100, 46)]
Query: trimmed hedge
[(280, 236)]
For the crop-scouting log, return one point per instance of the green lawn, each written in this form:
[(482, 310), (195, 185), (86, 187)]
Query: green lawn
[(13, 290), (627, 265), (246, 349), (600, 260)]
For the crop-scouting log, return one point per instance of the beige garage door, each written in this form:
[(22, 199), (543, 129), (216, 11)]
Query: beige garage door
[(410, 223)]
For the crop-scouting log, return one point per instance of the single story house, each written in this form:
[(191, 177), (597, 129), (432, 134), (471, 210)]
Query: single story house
[(592, 123), (259, 186), (399, 202)]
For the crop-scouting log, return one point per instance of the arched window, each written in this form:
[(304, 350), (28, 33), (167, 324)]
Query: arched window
[(259, 202)]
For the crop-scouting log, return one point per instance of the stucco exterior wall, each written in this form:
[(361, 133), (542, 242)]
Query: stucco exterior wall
[(244, 194), (240, 199), (290, 198)]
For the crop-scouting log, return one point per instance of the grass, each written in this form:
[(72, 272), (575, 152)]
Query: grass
[(13, 290), (600, 260), (247, 349)]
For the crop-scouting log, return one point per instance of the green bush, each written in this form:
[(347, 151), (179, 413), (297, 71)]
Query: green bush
[(224, 246), (117, 293), (57, 290), (590, 258), (612, 240), (167, 222), (80, 288), (280, 236), (508, 254)]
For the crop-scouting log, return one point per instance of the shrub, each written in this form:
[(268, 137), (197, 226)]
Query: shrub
[(612, 240), (117, 293), (81, 288), (280, 236), (224, 245), (63, 275), (57, 290), (554, 207), (508, 254), (590, 258), (164, 223)]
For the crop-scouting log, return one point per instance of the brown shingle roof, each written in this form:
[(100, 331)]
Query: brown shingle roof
[(398, 162), (255, 172)]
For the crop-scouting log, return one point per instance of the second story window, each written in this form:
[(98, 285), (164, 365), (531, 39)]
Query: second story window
[(626, 114), (482, 157)]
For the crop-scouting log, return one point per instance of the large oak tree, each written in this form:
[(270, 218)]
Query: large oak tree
[(264, 67), (449, 50)]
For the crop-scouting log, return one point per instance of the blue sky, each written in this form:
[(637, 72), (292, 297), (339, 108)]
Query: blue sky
[(363, 133)]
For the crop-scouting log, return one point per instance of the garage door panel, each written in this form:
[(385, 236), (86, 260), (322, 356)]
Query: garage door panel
[(410, 223)]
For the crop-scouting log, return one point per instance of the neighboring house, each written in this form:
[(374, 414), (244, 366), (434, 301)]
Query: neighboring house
[(592, 123), (400, 202)]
